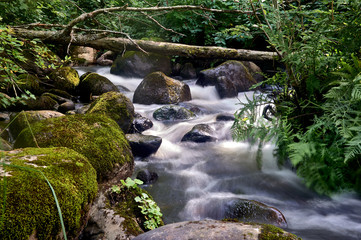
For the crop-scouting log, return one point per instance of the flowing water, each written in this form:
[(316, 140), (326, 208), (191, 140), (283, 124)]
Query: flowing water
[(197, 180)]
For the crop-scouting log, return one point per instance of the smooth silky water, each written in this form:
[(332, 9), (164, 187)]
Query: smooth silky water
[(197, 180)]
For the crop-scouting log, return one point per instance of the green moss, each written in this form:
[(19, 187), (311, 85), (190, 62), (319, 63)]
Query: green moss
[(270, 232), (29, 82), (65, 78), (30, 206), (116, 106), (125, 206), (96, 136)]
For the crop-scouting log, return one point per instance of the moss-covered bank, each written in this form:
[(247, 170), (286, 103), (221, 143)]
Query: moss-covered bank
[(29, 205), (96, 136)]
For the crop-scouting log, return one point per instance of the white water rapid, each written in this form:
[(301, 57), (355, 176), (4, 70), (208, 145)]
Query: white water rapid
[(196, 180)]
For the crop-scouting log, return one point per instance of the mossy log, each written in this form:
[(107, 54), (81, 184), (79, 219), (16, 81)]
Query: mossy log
[(164, 48)]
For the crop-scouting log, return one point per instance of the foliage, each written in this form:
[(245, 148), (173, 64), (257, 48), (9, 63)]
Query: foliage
[(149, 209), (317, 96)]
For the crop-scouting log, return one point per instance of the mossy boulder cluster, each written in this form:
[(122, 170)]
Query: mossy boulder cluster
[(30, 210), (157, 88)]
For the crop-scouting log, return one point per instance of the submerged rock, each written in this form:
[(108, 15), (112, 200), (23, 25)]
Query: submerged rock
[(143, 145), (225, 117), (216, 230), (30, 211), (200, 133), (139, 64), (116, 106), (96, 136), (157, 88), (250, 210), (173, 112), (147, 176)]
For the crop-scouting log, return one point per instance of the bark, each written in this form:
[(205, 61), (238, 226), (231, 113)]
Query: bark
[(120, 45)]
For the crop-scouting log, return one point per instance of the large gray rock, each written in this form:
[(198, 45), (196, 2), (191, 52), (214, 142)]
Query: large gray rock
[(143, 145), (253, 211), (93, 84), (157, 88), (139, 64), (216, 230), (242, 74)]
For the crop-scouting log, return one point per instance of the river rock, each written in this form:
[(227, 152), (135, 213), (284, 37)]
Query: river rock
[(250, 210), (5, 145), (157, 88), (29, 82), (200, 133), (22, 119), (188, 71), (226, 88), (143, 145), (66, 106), (216, 230), (225, 117), (139, 64), (93, 84), (116, 106), (106, 59), (65, 78), (140, 124), (147, 176), (30, 211), (172, 112), (242, 74), (96, 136), (83, 55), (43, 102)]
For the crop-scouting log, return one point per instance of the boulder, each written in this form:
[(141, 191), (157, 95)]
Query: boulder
[(66, 106), (253, 211), (5, 145), (157, 88), (30, 211), (93, 84), (143, 145), (216, 230), (225, 117), (242, 74), (22, 119), (96, 136), (116, 215), (65, 78), (29, 82), (140, 124), (43, 102), (226, 88), (188, 71), (172, 112), (139, 64), (116, 106), (83, 55), (147, 176), (200, 133), (106, 59)]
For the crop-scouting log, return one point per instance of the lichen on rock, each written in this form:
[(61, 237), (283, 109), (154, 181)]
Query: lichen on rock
[(30, 208)]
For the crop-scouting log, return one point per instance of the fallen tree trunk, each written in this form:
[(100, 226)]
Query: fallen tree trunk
[(164, 48)]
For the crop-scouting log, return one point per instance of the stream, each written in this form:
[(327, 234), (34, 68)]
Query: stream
[(197, 180)]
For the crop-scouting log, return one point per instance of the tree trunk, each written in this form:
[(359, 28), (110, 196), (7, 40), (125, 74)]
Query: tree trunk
[(165, 48)]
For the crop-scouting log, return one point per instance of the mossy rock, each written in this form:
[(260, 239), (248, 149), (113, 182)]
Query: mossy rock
[(139, 64), (172, 113), (5, 145), (65, 78), (157, 88), (94, 84), (116, 106), (30, 210), (29, 82), (44, 102), (96, 136), (22, 119)]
